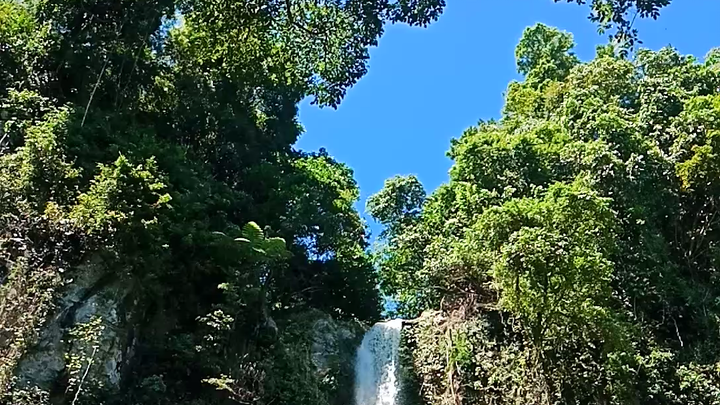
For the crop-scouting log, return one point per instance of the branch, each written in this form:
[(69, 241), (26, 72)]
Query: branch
[(677, 332), (92, 95), (87, 370)]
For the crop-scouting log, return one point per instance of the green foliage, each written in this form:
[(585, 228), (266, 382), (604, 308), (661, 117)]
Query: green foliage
[(118, 192), (286, 43), (550, 258), (156, 138), (620, 15), (399, 201), (86, 339), (543, 51), (311, 363), (24, 45), (573, 253)]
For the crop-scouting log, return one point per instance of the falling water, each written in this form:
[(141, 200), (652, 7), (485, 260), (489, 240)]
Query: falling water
[(376, 368)]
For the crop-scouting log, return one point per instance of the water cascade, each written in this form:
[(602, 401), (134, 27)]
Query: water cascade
[(376, 367)]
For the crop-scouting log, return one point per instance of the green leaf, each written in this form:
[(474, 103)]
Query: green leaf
[(276, 247), (253, 232)]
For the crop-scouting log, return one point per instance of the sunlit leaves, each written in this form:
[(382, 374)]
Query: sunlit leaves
[(252, 232), (313, 48), (586, 220), (544, 54), (620, 15), (551, 256), (399, 201)]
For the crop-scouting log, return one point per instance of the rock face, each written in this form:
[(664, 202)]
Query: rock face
[(332, 340), (94, 324), (90, 323), (333, 350)]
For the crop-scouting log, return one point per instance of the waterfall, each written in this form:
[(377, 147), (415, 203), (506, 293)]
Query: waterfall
[(376, 367)]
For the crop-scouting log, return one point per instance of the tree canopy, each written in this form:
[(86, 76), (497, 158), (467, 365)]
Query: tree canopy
[(146, 160), (573, 253), (163, 242), (620, 16)]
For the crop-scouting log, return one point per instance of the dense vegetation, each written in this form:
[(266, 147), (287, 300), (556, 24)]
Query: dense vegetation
[(162, 242), (574, 255), (157, 229)]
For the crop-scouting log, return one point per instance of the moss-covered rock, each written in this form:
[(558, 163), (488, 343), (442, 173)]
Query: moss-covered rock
[(85, 340), (315, 360)]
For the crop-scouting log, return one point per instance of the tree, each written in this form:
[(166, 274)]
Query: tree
[(620, 15), (544, 51), (400, 201)]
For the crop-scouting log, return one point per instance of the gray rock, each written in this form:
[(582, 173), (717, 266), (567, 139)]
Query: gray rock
[(92, 294), (329, 339)]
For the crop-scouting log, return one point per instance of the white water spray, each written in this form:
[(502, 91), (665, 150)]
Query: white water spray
[(376, 367)]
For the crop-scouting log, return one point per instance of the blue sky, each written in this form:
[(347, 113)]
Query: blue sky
[(425, 86)]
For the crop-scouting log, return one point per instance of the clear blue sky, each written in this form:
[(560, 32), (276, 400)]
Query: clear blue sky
[(425, 86)]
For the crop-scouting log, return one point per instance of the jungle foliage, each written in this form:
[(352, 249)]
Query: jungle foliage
[(147, 170), (154, 139), (573, 256)]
